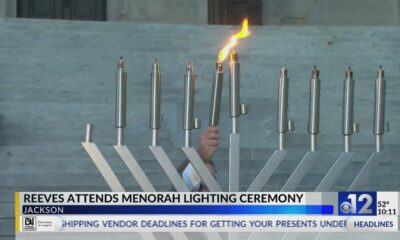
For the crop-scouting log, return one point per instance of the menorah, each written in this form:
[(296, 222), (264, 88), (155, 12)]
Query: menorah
[(284, 125)]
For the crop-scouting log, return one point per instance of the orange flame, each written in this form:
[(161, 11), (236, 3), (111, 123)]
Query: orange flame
[(244, 32)]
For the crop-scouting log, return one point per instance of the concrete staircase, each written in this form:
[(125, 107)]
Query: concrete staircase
[(56, 76)]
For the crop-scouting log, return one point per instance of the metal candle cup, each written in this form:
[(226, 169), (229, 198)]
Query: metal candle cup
[(234, 89), (348, 103), (379, 108), (313, 113), (283, 91), (283, 124), (120, 103), (234, 85), (189, 98), (216, 92), (155, 101), (189, 122), (349, 127)]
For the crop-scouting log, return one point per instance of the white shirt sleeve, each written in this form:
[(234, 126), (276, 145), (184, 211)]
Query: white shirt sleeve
[(191, 178)]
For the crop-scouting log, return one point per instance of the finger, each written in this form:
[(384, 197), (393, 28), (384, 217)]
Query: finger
[(211, 142), (204, 138), (212, 135), (209, 150), (212, 129), (209, 135)]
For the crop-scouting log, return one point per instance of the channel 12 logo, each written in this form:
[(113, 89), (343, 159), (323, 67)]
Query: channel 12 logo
[(357, 203)]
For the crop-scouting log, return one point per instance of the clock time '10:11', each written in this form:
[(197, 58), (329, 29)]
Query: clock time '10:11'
[(390, 211)]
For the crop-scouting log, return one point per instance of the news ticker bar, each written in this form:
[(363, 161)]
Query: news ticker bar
[(168, 211)]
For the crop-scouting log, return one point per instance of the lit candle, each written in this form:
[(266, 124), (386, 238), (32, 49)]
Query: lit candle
[(236, 108)]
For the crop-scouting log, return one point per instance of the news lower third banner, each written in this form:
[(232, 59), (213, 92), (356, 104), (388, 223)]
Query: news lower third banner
[(206, 212)]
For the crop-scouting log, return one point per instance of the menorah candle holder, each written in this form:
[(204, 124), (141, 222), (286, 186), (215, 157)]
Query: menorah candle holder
[(349, 127), (283, 125), (155, 102), (313, 129), (379, 128), (236, 109), (120, 103), (189, 122), (216, 92)]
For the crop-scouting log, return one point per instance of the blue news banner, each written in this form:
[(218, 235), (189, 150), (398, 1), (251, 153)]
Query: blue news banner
[(206, 212)]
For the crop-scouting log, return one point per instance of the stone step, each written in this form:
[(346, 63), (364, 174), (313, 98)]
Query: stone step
[(255, 156), (76, 151), (7, 228), (7, 209), (17, 166), (85, 94), (83, 164), (73, 137), (71, 180)]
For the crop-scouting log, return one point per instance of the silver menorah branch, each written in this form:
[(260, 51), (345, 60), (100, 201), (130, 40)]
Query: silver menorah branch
[(379, 128), (312, 155), (189, 123), (236, 110), (313, 129), (283, 125), (349, 127), (155, 124)]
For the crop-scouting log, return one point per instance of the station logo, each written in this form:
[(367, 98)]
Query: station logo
[(357, 203), (29, 223)]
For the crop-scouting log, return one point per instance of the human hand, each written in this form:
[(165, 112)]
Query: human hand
[(208, 143)]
